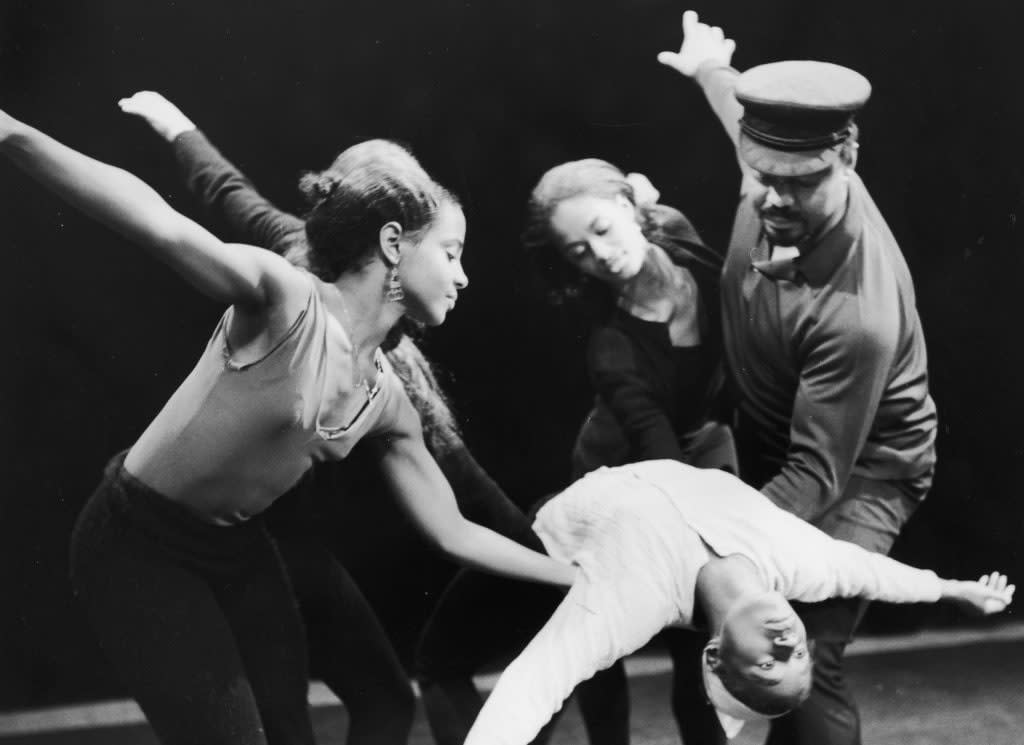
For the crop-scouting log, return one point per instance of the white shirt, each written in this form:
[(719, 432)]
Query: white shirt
[(640, 534)]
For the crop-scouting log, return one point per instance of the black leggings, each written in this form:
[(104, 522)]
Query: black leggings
[(198, 620), (479, 620), (348, 648)]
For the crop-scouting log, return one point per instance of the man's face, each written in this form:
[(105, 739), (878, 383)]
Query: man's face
[(796, 208), (764, 642)]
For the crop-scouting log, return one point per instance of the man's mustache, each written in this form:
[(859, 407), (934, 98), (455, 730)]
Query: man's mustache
[(782, 214)]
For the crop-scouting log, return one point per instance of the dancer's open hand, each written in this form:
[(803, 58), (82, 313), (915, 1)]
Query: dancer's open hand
[(990, 594), (166, 119), (701, 43)]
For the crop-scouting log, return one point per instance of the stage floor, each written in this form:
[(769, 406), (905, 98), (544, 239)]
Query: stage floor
[(935, 688)]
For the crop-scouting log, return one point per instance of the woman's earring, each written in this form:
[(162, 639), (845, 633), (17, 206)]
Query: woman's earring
[(394, 291)]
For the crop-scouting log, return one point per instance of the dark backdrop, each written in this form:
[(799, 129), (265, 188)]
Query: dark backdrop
[(96, 336)]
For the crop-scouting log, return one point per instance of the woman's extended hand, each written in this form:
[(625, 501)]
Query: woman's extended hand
[(166, 119)]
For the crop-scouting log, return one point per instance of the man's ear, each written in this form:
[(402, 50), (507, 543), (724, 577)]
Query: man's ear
[(848, 154), (390, 238)]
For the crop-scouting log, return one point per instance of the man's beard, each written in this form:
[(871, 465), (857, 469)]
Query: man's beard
[(790, 235)]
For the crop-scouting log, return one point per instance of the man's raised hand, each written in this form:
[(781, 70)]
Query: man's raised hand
[(701, 43)]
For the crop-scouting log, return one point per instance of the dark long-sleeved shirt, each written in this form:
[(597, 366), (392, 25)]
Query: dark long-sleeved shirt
[(825, 350), (658, 393), (232, 199)]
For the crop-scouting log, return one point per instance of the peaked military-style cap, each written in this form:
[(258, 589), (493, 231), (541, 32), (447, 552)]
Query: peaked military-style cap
[(796, 112)]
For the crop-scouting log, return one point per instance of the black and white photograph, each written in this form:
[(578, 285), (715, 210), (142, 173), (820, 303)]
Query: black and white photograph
[(468, 372)]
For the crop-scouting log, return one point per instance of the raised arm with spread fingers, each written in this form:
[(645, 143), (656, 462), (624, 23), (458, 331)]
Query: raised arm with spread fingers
[(705, 55)]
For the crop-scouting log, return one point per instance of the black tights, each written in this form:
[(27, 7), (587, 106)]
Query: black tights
[(348, 648), (604, 699), (479, 620), (198, 620)]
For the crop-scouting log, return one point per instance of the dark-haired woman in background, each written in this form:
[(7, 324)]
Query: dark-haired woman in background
[(654, 357), (170, 557), (348, 648)]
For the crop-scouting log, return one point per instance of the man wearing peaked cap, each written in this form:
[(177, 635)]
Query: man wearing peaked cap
[(823, 342), (796, 113)]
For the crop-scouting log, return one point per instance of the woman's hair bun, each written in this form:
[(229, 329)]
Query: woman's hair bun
[(318, 187)]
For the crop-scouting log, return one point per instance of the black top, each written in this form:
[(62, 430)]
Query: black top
[(658, 393), (231, 198)]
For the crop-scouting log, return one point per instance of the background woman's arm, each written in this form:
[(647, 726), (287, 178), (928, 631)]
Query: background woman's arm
[(223, 190), (426, 496)]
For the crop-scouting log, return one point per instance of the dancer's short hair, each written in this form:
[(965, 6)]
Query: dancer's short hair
[(765, 699)]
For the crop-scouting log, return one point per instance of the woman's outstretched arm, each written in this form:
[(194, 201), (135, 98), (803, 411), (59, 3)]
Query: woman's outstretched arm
[(242, 276), (426, 496), (224, 191)]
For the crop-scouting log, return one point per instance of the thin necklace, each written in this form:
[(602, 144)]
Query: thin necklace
[(349, 330)]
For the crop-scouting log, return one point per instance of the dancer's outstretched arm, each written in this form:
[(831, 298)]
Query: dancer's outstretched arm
[(243, 276), (991, 594), (705, 55), (422, 490), (843, 569), (226, 192)]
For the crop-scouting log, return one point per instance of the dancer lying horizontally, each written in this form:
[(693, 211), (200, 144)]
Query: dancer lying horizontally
[(660, 543)]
